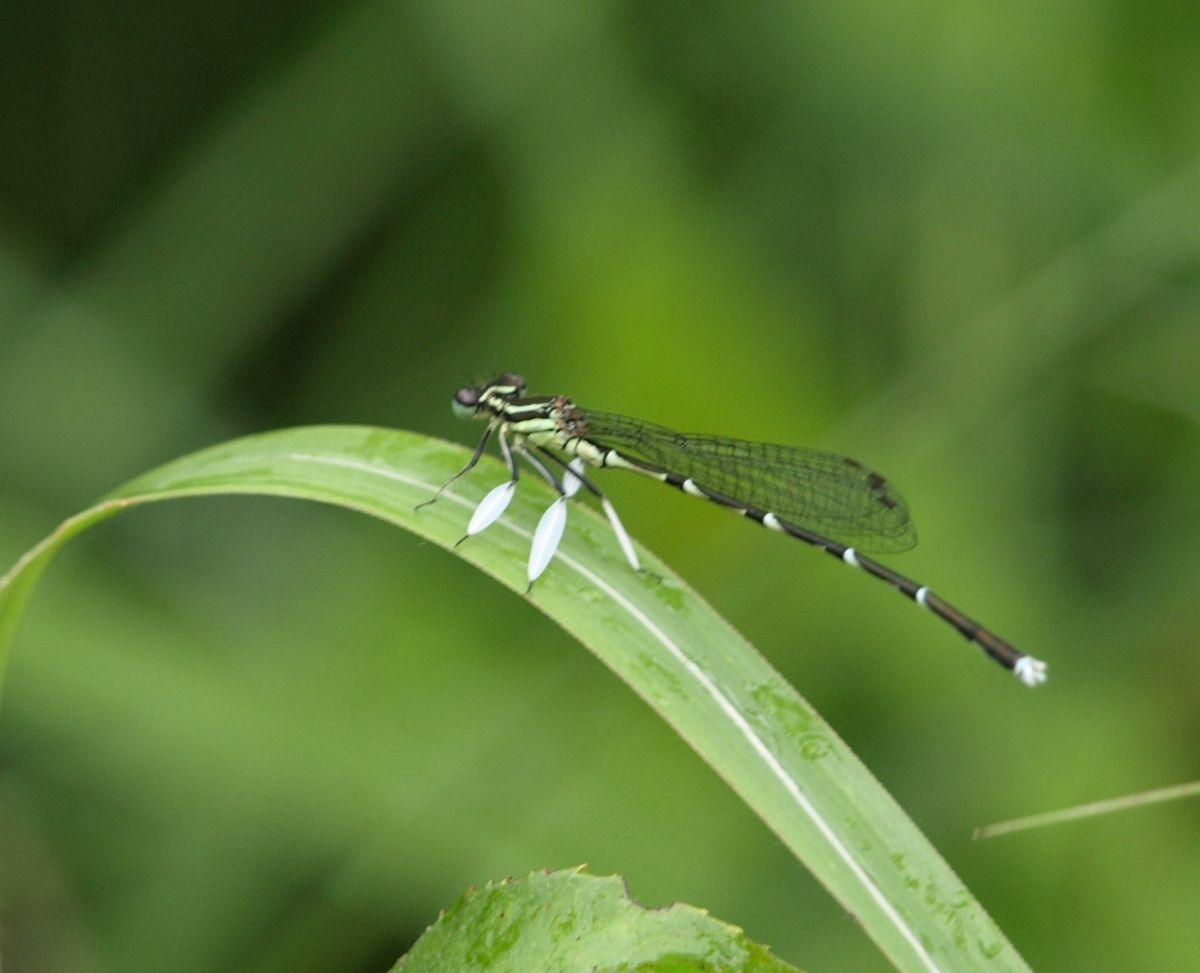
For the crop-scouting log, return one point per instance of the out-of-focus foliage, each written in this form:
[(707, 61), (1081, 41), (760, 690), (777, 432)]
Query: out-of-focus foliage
[(957, 241)]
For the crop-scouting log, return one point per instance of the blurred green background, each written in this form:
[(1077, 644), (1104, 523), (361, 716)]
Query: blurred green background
[(960, 242)]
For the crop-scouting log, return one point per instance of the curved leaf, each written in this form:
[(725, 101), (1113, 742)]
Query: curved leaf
[(651, 629)]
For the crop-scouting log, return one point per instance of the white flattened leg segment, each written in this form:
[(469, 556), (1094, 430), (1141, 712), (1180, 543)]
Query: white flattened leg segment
[(619, 529), (571, 481), (491, 507), (547, 538)]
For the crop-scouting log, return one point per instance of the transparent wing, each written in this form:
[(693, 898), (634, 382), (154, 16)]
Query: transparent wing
[(829, 494)]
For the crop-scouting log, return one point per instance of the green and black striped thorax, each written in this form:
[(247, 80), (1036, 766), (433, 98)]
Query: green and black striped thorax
[(547, 418)]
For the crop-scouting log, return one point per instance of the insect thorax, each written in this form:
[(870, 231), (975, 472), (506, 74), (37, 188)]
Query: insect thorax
[(557, 423)]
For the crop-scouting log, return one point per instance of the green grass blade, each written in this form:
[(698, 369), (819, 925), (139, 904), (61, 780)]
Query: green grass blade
[(653, 631)]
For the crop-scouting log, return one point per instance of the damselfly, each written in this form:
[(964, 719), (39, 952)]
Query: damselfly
[(829, 501)]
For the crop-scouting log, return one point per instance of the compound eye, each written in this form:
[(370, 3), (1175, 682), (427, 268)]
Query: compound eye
[(512, 379), (466, 401)]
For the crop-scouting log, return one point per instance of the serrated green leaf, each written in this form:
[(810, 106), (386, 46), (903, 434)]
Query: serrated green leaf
[(568, 922)]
